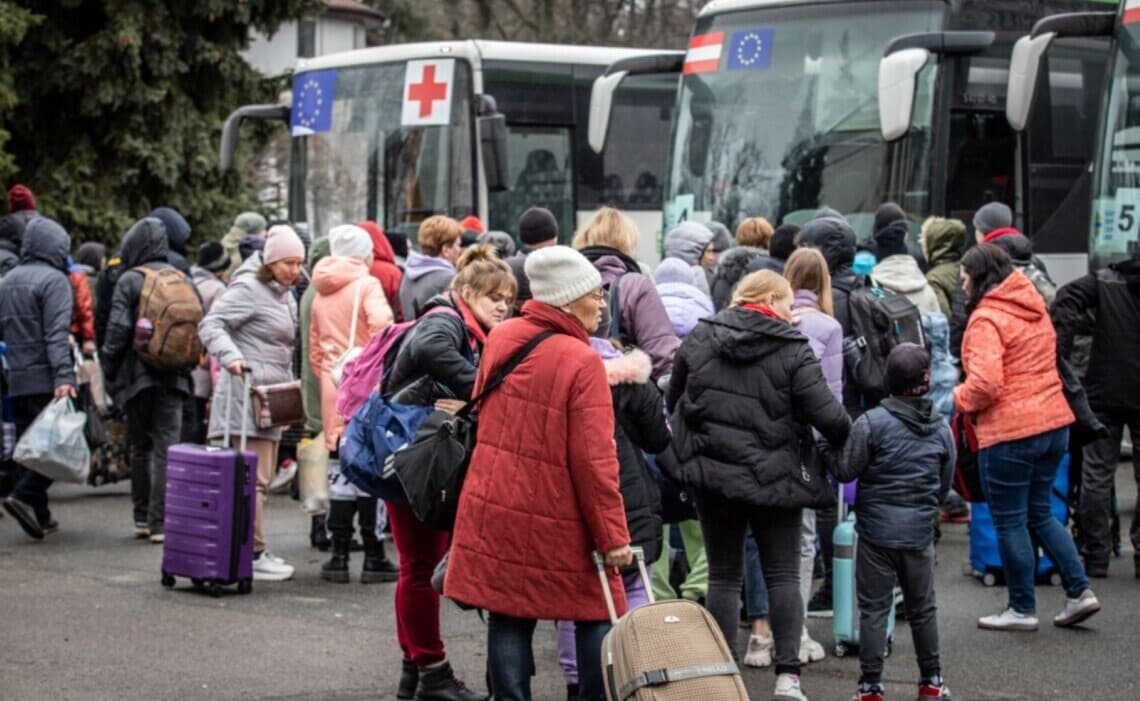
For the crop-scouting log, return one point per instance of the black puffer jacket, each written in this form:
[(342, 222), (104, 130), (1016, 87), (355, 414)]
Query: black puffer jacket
[(835, 238), (902, 454), (436, 360), (144, 244), (1113, 296), (744, 391), (36, 303), (640, 427)]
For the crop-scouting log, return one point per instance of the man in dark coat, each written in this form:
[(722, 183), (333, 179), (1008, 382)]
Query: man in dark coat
[(152, 399), (36, 303), (1112, 298), (177, 236), (538, 228)]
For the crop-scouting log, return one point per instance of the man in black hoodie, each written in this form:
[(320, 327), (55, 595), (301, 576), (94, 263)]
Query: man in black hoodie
[(152, 398), (1111, 297), (35, 316), (903, 456)]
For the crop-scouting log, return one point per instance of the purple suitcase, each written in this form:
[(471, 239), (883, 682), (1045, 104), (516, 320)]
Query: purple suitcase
[(209, 513)]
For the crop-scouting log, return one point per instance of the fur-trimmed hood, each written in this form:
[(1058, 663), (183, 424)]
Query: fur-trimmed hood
[(632, 368)]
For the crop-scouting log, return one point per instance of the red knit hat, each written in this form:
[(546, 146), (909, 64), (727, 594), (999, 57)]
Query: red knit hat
[(473, 223), (20, 198)]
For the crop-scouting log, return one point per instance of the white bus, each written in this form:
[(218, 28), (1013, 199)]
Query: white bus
[(399, 133), (778, 114)]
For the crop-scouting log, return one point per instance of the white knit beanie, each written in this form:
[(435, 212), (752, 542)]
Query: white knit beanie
[(350, 241), (559, 275)]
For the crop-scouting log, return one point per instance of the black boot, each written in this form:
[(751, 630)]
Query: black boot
[(409, 680), (336, 569), (571, 692), (377, 567), (439, 684), (319, 535)]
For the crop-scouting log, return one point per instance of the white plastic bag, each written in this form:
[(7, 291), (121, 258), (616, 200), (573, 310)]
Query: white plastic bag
[(313, 475), (55, 445)]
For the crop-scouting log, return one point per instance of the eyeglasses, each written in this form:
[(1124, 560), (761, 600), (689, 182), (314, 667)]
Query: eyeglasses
[(598, 295)]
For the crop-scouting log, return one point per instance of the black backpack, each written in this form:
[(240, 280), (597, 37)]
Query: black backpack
[(880, 321), (610, 327)]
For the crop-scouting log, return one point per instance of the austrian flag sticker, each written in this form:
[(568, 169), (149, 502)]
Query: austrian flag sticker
[(427, 93), (704, 53)]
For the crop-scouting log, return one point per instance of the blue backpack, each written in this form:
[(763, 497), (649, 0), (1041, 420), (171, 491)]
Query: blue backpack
[(377, 430)]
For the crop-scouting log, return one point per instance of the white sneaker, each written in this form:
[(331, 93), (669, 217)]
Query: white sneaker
[(1077, 610), (788, 688), (282, 481), (759, 651), (271, 556), (810, 650), (1009, 620), (269, 569)]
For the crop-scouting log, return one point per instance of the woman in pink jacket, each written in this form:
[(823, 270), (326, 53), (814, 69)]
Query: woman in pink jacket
[(348, 299)]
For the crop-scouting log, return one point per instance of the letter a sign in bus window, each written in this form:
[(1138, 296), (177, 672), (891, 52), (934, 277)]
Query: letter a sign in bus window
[(427, 93)]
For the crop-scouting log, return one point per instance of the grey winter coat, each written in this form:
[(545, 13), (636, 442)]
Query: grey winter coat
[(210, 286), (255, 323), (144, 244), (902, 454), (36, 303), (424, 278), (688, 242)]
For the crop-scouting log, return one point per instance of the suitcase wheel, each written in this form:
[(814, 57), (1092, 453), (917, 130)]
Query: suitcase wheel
[(167, 580), (214, 589), (245, 586), (989, 579), (1055, 579), (197, 583), (840, 650)]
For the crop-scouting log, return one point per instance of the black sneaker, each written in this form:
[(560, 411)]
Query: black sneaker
[(24, 516), (50, 526), (820, 605)]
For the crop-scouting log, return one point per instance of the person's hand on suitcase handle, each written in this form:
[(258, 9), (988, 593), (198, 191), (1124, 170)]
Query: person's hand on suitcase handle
[(619, 557), (237, 368)]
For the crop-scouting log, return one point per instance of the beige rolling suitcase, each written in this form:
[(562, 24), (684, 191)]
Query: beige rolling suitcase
[(667, 651)]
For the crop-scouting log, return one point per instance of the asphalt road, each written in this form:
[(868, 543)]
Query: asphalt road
[(84, 617)]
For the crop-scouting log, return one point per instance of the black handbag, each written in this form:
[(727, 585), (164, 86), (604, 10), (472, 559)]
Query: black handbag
[(433, 466)]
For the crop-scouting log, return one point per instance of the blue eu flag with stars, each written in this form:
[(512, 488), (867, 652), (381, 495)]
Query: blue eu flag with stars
[(313, 95), (750, 49)]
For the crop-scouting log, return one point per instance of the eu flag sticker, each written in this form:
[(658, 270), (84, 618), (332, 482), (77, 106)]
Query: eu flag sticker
[(312, 102), (750, 49)]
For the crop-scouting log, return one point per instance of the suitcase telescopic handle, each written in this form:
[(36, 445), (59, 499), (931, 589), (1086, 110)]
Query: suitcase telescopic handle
[(639, 558), (227, 438)]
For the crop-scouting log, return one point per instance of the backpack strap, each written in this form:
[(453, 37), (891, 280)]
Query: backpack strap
[(508, 367), (614, 303)]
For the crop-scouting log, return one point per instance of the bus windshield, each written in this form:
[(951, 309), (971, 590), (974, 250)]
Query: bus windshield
[(786, 120), (1116, 189), (360, 163)]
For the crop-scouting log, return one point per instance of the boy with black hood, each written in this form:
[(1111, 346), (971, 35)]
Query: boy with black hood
[(903, 456)]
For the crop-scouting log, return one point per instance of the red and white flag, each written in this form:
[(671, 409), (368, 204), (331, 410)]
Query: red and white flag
[(704, 53), (1131, 13), (427, 92)]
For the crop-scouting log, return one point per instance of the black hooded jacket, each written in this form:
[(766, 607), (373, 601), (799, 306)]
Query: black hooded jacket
[(144, 245), (903, 456), (734, 265), (177, 236), (1112, 295), (435, 360), (835, 239), (745, 390), (36, 304)]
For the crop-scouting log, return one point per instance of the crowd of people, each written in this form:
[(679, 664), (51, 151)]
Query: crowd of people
[(704, 411)]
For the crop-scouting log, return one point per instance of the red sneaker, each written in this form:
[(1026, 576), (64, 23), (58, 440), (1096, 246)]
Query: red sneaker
[(933, 692)]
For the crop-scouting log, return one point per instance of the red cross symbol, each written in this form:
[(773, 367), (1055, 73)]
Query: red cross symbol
[(427, 91)]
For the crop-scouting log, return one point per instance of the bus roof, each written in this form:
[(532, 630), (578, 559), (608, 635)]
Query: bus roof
[(476, 50), (716, 7)]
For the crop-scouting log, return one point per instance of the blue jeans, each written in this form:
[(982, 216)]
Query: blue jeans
[(510, 657), (1017, 477), (755, 591)]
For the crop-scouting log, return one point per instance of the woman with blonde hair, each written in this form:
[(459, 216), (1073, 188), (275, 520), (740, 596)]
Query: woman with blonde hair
[(608, 240), (745, 392)]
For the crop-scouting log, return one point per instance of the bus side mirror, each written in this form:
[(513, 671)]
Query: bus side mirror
[(1024, 66), (601, 108), (493, 143), (699, 139), (232, 128), (898, 81)]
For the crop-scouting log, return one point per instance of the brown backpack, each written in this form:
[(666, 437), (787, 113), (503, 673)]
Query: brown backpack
[(171, 304)]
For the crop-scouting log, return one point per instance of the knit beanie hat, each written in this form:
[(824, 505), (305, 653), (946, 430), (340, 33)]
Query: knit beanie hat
[(212, 256), (888, 213), (20, 198), (890, 241), (472, 223), (537, 225), (722, 237), (282, 243), (350, 241), (908, 370), (559, 275), (995, 215), (251, 222), (91, 254), (502, 242)]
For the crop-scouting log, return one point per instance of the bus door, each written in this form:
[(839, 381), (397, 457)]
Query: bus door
[(540, 174)]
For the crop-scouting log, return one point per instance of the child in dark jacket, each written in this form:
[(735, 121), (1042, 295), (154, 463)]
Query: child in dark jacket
[(902, 454)]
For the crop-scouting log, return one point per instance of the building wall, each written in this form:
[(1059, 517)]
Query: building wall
[(278, 54)]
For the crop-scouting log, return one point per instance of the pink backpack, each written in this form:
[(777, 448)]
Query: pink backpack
[(363, 374)]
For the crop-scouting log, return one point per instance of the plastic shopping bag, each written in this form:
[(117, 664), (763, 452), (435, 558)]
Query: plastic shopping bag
[(55, 445), (313, 475)]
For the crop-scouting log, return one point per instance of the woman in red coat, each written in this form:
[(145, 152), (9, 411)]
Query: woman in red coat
[(384, 266), (541, 494)]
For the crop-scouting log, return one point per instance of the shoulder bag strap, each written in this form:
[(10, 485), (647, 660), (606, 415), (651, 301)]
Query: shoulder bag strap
[(614, 303), (501, 374), (355, 315)]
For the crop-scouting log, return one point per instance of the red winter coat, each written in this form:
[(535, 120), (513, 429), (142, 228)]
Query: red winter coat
[(384, 266), (542, 492), (83, 318)]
